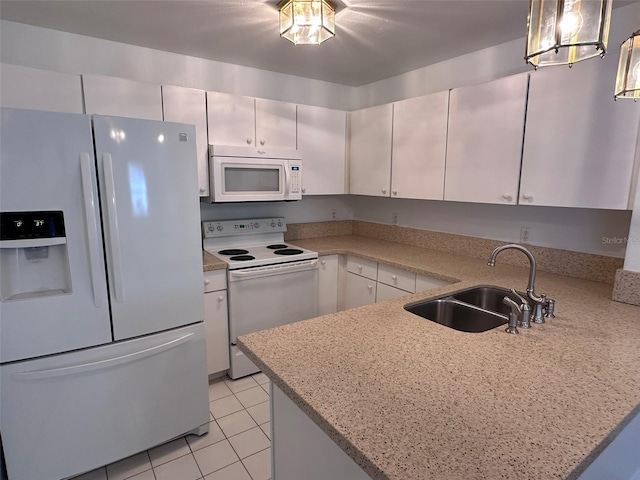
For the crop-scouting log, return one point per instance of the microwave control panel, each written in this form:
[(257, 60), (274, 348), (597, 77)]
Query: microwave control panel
[(295, 179)]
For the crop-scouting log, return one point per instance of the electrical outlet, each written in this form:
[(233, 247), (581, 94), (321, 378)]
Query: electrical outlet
[(395, 218), (525, 234), (334, 214)]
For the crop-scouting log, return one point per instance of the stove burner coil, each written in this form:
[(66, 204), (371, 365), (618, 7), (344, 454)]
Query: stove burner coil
[(288, 251), (277, 246), (233, 251), (242, 258)]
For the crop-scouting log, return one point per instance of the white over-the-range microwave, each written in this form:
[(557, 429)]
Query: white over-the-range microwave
[(243, 174)]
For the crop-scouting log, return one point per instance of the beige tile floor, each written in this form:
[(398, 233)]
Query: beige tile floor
[(237, 446)]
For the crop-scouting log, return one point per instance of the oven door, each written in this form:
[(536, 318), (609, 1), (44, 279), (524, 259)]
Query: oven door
[(248, 179), (267, 297)]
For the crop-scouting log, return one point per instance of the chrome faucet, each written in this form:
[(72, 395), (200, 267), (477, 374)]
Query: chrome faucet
[(540, 302)]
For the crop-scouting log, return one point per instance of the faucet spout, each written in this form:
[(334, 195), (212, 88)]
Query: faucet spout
[(532, 267)]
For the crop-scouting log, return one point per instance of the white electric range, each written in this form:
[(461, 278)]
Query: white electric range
[(270, 283)]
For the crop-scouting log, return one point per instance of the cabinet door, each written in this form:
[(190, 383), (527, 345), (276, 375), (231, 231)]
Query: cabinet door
[(231, 119), (275, 124), (424, 283), (386, 292), (217, 331), (34, 89), (121, 98), (484, 146), (187, 105), (370, 151), (328, 285), (359, 291), (579, 144), (419, 147), (322, 145)]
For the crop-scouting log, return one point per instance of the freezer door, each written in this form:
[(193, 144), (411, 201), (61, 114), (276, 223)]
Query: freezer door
[(70, 413), (151, 214), (53, 297)]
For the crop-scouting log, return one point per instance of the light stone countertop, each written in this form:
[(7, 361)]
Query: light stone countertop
[(211, 262), (409, 399)]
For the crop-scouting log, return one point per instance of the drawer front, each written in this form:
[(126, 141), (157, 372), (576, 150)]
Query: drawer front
[(363, 267), (385, 292), (215, 280), (396, 277), (427, 283), (359, 291)]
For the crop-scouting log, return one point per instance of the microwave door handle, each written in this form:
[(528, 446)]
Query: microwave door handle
[(287, 180)]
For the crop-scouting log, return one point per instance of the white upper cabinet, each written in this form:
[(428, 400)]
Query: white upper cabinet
[(484, 145), (322, 145), (231, 120), (245, 121), (419, 147), (34, 89), (579, 144), (275, 124), (121, 98), (370, 151), (187, 105)]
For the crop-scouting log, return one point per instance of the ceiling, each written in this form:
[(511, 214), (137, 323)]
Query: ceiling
[(375, 39)]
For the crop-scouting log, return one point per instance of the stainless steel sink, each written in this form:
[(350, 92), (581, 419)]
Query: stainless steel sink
[(488, 298), (473, 310), (457, 315)]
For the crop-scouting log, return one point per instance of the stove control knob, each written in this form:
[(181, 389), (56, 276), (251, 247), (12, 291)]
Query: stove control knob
[(256, 225), (210, 228), (273, 224), (220, 228), (279, 223)]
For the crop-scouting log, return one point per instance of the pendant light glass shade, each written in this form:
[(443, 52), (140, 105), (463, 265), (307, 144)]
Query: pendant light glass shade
[(307, 22), (628, 78), (563, 32)]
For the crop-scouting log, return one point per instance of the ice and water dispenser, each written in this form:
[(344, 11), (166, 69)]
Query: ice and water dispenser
[(33, 255)]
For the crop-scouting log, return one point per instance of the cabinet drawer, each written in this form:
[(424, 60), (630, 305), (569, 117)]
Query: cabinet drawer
[(385, 292), (363, 267), (427, 283), (215, 280), (396, 277)]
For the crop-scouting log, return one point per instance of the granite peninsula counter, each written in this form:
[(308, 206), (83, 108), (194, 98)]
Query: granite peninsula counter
[(409, 399)]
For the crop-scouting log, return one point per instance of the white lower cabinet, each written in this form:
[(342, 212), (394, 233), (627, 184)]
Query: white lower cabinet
[(216, 321), (359, 291), (328, 285), (424, 283), (385, 292), (369, 282)]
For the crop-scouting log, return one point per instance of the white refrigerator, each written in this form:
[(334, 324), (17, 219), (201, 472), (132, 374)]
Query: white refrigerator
[(102, 347)]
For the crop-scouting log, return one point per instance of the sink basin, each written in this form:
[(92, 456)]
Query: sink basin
[(488, 298), (457, 315)]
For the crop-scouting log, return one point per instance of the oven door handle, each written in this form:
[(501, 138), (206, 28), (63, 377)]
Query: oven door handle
[(279, 269)]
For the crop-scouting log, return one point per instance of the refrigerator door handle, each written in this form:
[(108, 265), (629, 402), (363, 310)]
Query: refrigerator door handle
[(92, 226), (100, 364), (114, 232)]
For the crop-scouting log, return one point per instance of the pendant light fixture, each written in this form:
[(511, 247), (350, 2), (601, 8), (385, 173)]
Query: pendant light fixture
[(307, 22), (563, 32), (628, 78)]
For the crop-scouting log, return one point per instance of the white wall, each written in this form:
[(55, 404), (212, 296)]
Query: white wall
[(46, 49), (480, 66), (309, 209), (576, 229)]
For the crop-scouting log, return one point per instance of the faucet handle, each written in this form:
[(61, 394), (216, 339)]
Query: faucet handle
[(516, 310), (549, 308), (525, 310)]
